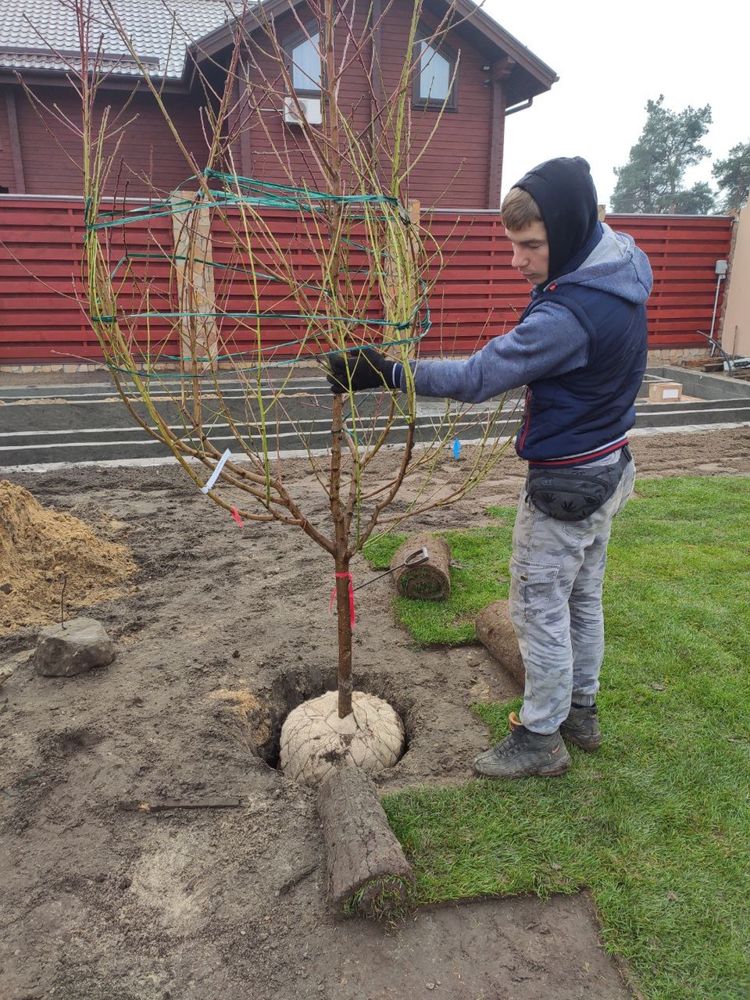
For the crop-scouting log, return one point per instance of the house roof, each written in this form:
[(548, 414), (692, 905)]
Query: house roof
[(529, 76), (43, 36), (165, 32)]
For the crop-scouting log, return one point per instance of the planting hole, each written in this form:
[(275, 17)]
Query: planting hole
[(260, 716)]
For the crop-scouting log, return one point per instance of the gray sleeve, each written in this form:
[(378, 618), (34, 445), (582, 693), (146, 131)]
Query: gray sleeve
[(550, 341)]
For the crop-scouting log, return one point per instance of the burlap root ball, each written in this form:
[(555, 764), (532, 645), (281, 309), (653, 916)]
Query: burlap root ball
[(314, 739)]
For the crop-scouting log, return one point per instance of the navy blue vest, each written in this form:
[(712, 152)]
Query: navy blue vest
[(583, 410)]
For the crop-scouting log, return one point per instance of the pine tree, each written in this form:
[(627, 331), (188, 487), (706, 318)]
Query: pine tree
[(652, 179), (733, 177)]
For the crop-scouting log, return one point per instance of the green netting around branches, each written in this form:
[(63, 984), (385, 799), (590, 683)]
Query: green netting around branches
[(325, 312)]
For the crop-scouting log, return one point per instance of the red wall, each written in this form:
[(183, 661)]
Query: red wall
[(51, 152), (477, 296), (454, 170)]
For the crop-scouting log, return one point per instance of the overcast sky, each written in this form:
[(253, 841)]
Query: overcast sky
[(610, 59)]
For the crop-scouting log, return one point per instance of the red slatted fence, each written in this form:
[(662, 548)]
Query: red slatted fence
[(478, 295)]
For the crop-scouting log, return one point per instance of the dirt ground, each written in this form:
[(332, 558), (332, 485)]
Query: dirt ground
[(99, 903)]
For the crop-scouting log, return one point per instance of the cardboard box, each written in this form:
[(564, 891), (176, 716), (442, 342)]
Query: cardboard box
[(664, 392)]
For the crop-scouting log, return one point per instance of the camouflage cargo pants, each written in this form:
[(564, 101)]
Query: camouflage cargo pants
[(557, 573)]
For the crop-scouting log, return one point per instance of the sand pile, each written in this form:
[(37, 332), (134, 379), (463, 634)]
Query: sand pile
[(37, 546)]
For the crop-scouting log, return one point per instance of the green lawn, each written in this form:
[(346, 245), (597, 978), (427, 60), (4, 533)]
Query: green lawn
[(657, 823)]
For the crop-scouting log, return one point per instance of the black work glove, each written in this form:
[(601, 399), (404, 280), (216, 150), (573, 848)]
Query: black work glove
[(368, 368)]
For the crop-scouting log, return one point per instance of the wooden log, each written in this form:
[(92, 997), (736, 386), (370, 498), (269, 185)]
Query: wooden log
[(496, 633), (425, 581), (368, 874)]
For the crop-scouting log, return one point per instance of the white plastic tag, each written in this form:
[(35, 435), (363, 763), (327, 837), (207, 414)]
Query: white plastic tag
[(217, 471)]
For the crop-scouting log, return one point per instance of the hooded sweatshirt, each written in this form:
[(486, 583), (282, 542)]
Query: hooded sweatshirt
[(580, 346)]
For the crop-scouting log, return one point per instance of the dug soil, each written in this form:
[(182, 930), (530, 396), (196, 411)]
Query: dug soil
[(52, 562), (224, 630)]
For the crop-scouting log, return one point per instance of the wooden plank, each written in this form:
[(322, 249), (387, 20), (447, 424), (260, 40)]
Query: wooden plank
[(195, 282)]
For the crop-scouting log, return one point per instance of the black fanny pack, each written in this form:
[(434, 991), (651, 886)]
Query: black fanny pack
[(574, 493)]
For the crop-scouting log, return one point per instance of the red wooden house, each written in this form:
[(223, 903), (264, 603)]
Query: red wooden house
[(479, 71), (479, 294)]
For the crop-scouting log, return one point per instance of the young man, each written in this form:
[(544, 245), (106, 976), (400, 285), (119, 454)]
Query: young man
[(580, 348)]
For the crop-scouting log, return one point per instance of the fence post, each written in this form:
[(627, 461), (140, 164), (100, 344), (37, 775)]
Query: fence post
[(193, 260), (734, 325)]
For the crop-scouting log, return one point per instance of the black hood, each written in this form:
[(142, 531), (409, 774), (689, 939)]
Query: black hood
[(566, 196)]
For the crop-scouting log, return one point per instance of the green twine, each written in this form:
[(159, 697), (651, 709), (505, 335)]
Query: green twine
[(246, 190), (424, 328), (261, 194)]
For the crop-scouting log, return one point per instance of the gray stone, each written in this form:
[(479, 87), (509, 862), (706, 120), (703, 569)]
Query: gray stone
[(73, 649)]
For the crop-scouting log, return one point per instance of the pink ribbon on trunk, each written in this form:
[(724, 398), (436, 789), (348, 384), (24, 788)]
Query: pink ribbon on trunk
[(345, 576)]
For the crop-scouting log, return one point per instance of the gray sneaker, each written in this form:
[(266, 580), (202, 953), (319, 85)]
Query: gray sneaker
[(582, 727), (523, 754)]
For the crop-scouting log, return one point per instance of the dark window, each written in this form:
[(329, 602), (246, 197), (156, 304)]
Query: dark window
[(435, 75), (303, 55)]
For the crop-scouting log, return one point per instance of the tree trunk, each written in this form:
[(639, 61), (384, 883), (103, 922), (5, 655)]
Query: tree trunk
[(344, 613), (344, 589)]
